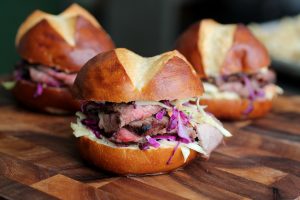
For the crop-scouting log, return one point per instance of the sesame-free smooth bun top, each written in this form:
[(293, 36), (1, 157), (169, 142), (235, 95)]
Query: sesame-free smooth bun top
[(65, 41), (121, 75), (216, 49)]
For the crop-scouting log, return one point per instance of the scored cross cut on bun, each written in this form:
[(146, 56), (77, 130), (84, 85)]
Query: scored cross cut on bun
[(140, 115), (233, 66), (123, 76), (53, 49), (65, 41)]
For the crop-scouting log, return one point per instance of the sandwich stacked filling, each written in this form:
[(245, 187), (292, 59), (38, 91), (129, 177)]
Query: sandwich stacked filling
[(257, 86), (145, 125), (43, 76)]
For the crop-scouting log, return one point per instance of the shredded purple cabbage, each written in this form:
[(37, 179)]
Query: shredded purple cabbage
[(179, 120), (173, 120), (260, 93), (89, 122), (249, 87), (96, 132), (39, 90), (185, 119), (159, 116), (182, 131), (173, 153), (249, 108), (92, 125), (167, 102), (165, 137), (152, 141), (253, 95)]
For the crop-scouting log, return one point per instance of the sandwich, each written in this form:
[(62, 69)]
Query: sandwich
[(142, 115), (53, 48), (233, 66)]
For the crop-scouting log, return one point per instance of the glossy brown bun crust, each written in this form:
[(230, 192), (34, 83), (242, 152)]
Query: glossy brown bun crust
[(233, 109), (53, 100), (187, 44), (43, 44), (241, 51), (126, 161), (123, 76), (247, 54)]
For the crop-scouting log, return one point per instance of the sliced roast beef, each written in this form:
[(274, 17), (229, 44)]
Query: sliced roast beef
[(41, 77), (125, 136), (209, 137), (236, 87), (51, 77), (129, 113), (65, 78), (149, 126), (119, 115), (261, 79), (236, 83), (109, 122)]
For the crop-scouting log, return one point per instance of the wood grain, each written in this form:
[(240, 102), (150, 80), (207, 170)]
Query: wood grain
[(39, 160)]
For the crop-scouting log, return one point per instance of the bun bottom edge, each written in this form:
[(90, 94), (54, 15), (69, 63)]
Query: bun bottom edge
[(52, 100), (126, 161), (234, 109)]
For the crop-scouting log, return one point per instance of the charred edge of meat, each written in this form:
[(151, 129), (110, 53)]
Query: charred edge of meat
[(149, 126)]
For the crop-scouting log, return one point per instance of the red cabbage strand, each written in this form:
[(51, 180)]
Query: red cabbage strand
[(173, 153), (39, 90)]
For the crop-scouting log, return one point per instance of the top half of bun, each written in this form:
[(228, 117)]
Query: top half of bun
[(122, 76), (65, 41), (215, 49)]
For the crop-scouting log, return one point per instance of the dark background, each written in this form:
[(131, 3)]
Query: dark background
[(148, 27)]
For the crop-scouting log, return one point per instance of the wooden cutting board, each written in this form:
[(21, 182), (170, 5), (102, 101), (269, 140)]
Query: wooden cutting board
[(38, 160)]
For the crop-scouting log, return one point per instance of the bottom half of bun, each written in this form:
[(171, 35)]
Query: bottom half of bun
[(52, 100), (132, 161), (234, 109)]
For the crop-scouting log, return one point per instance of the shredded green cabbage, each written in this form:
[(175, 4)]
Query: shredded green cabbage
[(80, 115), (8, 85), (196, 147), (185, 152), (198, 115), (154, 103), (79, 130)]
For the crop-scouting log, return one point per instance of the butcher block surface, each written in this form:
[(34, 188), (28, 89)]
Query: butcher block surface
[(39, 160)]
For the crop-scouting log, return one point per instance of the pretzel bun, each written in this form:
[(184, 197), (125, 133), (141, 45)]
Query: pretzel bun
[(122, 76), (215, 49), (233, 109), (129, 161), (53, 100), (65, 41)]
